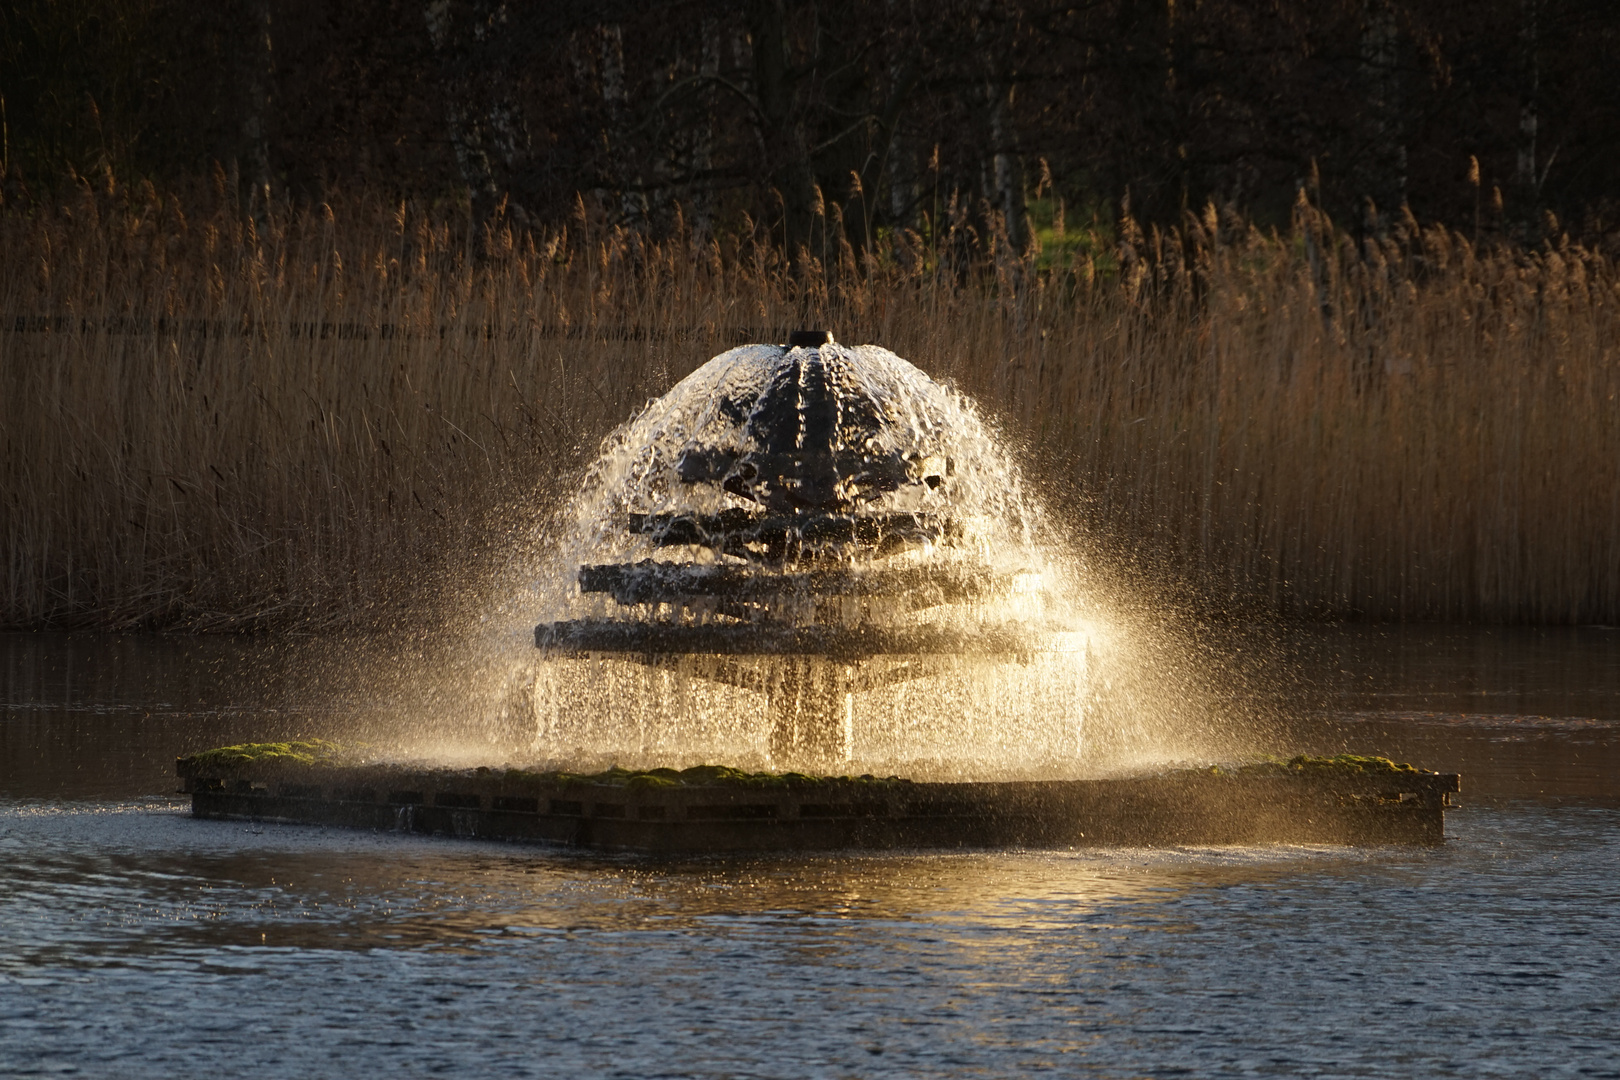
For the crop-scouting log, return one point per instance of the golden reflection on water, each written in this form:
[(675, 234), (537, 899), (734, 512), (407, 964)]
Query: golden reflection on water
[(286, 888), (152, 927), (131, 930)]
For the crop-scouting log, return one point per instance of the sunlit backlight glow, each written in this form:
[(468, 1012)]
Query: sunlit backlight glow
[(982, 649)]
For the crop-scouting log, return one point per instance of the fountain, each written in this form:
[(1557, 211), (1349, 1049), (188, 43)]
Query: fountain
[(810, 524)]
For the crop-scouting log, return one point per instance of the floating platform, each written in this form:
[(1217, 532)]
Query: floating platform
[(713, 809)]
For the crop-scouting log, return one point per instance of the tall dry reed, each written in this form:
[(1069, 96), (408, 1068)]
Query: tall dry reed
[(311, 420)]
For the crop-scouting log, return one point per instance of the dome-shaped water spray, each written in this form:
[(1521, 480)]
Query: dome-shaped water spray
[(810, 520), (814, 524)]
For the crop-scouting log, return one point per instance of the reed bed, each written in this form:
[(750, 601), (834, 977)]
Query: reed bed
[(322, 418)]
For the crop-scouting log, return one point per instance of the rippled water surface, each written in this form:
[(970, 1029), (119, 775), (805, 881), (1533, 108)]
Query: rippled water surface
[(135, 941)]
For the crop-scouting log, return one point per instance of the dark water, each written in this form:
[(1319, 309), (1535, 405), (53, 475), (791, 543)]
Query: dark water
[(137, 942)]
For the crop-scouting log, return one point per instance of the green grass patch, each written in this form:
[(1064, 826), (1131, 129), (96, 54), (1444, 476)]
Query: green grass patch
[(1337, 765), (293, 752), (325, 752), (696, 776)]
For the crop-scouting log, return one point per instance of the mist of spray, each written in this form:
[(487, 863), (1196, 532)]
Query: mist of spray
[(1124, 686)]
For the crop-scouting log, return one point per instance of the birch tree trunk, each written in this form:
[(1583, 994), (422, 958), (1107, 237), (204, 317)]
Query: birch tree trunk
[(1008, 170)]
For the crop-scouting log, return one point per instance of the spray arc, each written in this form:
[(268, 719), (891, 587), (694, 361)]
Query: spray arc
[(814, 522), (817, 526)]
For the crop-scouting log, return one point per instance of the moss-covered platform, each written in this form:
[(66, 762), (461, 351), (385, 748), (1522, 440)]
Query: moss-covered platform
[(1343, 800)]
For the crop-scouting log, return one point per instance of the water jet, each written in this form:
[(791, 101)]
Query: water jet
[(811, 524), (814, 521)]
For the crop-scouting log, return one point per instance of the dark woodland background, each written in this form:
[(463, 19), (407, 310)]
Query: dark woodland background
[(1485, 115)]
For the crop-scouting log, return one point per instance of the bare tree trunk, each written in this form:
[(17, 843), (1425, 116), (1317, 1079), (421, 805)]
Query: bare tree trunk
[(903, 187), (474, 130), (616, 98), (259, 69), (1525, 176), (901, 161), (702, 162), (1384, 181), (1008, 169), (780, 130), (885, 153)]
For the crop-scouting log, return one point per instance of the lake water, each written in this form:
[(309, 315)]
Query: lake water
[(135, 941)]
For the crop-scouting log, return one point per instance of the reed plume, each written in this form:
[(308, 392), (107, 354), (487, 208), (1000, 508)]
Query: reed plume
[(214, 421)]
